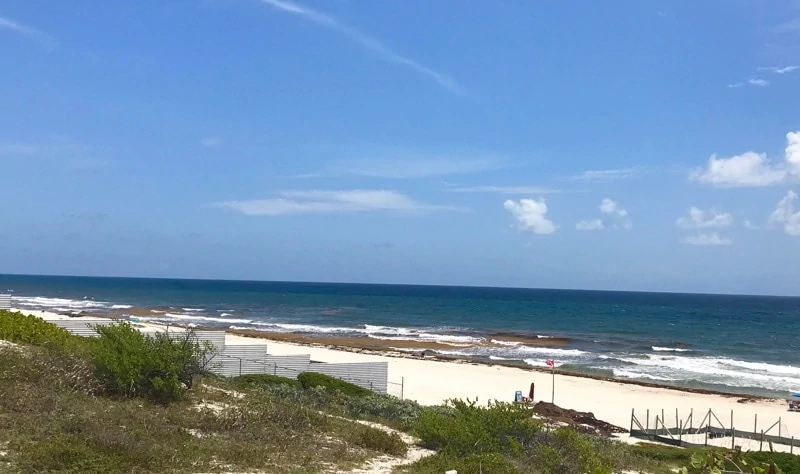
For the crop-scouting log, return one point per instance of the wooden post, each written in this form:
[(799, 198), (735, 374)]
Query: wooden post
[(755, 424), (761, 443), (662, 418), (723, 428), (680, 434), (647, 424), (676, 419), (791, 446), (733, 438), (632, 412), (779, 427), (706, 443)]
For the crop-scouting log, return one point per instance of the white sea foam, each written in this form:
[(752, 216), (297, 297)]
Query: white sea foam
[(121, 306), (551, 351), (539, 363), (498, 358), (669, 349), (226, 314), (193, 310), (631, 374), (370, 329), (717, 370), (189, 317), (506, 343), (52, 303), (285, 327)]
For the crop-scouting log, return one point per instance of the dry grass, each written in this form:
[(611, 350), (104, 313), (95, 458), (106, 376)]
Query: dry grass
[(53, 420)]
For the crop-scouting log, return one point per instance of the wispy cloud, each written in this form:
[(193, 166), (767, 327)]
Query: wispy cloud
[(758, 82), (210, 142), (786, 216), (779, 69), (328, 202), (505, 189), (43, 38), (700, 219), (707, 239), (791, 26), (735, 85), (608, 175), (423, 167), (369, 43)]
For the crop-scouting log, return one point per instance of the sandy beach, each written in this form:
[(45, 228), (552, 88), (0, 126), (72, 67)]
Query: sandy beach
[(431, 382)]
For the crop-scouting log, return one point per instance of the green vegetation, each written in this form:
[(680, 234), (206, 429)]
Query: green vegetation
[(313, 379), (123, 402), (262, 380)]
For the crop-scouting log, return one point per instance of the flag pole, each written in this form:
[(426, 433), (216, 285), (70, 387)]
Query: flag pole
[(553, 371)]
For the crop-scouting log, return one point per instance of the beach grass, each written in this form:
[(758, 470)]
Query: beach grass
[(57, 414)]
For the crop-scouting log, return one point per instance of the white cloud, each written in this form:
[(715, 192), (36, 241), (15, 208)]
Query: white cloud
[(751, 169), (13, 26), (700, 219), (758, 82), (608, 175), (371, 44), (325, 202), (786, 216), (779, 69), (530, 215), (505, 189), (209, 142), (596, 224), (406, 168), (609, 206), (735, 85), (707, 239)]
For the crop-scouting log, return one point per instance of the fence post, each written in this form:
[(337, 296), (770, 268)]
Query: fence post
[(733, 438), (791, 446), (677, 425), (240, 366), (779, 427), (680, 433), (647, 423), (755, 423), (732, 430), (632, 410), (402, 388), (761, 443), (275, 368)]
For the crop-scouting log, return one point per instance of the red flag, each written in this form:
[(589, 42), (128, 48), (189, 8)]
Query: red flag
[(550, 363)]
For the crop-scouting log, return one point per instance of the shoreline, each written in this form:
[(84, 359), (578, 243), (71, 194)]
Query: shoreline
[(415, 350), (430, 381), (307, 341)]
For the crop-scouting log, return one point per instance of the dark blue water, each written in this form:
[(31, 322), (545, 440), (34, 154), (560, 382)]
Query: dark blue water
[(747, 344)]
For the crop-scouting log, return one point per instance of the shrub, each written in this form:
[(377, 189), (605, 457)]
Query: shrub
[(375, 439), (262, 380), (386, 409), (472, 464), (130, 363), (789, 463), (313, 379), (17, 327), (502, 428)]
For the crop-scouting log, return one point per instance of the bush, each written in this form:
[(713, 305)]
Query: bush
[(130, 363), (386, 409), (375, 439), (313, 379), (789, 463), (263, 380), (502, 428), (472, 464), (17, 327)]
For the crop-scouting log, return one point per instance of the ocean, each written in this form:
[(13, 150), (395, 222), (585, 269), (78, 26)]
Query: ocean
[(738, 344)]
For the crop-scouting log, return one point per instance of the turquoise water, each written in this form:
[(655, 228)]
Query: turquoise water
[(743, 344)]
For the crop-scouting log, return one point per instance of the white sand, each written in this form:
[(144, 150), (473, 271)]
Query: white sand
[(430, 382)]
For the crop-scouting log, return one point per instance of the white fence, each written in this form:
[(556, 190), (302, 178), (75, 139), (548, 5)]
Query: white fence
[(371, 375), (82, 326), (5, 301), (233, 360)]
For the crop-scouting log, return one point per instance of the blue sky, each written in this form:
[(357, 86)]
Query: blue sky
[(639, 145)]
